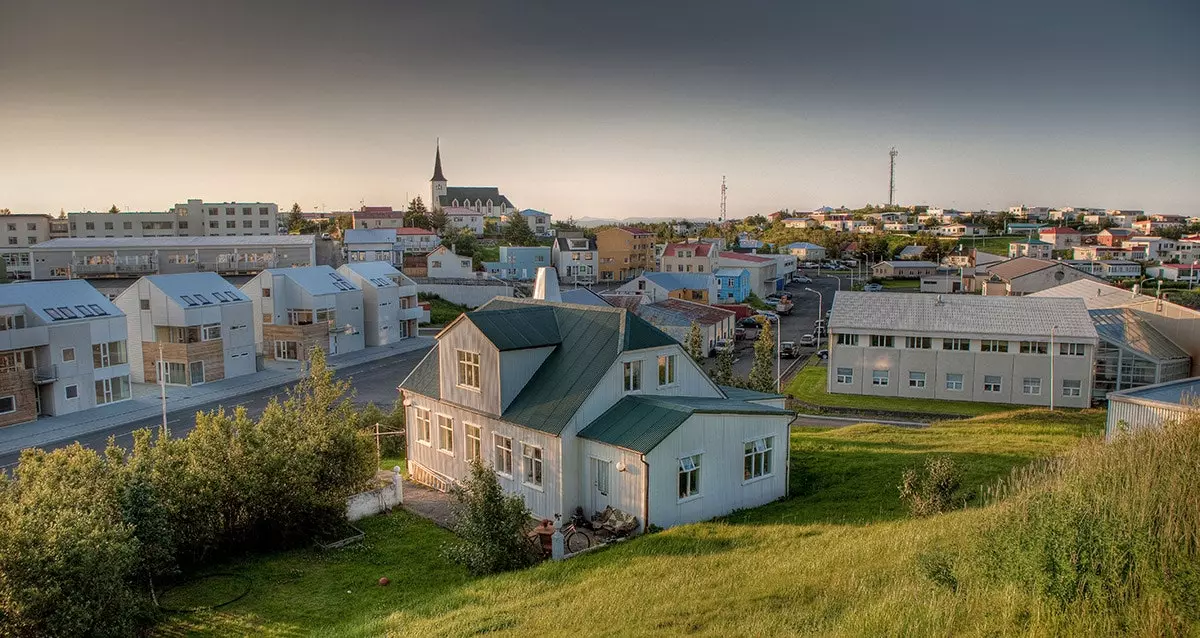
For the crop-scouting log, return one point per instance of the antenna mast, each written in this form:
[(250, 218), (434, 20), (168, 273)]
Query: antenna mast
[(722, 217), (892, 184)]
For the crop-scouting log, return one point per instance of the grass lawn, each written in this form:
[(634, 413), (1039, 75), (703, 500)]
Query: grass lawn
[(809, 386), (839, 557), (909, 285), (993, 245), (442, 312)]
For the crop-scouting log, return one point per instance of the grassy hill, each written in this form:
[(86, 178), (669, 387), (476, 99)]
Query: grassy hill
[(840, 557)]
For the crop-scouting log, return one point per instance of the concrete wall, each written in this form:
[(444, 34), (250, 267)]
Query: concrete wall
[(469, 296)]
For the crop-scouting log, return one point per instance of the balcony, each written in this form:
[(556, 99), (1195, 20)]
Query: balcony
[(46, 374)]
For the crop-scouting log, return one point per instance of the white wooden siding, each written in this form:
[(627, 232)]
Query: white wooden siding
[(465, 336), (627, 489)]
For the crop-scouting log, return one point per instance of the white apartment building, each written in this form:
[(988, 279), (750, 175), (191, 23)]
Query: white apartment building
[(371, 245), (18, 232), (133, 257), (62, 350), (196, 218), (416, 240), (390, 308), (297, 310), (575, 259), (191, 328), (1023, 350), (465, 218)]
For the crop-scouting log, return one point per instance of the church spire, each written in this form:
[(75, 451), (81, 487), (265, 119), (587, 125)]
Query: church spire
[(437, 165)]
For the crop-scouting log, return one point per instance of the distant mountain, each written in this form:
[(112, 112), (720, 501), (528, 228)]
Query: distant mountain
[(592, 222)]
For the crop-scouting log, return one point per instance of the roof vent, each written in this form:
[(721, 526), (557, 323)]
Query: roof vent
[(546, 286), (939, 301)]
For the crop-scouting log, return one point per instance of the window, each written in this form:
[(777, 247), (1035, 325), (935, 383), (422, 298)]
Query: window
[(445, 433), (266, 292), (12, 322), (531, 459), (991, 383), (916, 379), (108, 354), (172, 373), (71, 392), (879, 377), (956, 344), (110, 390), (231, 223), (474, 449), (689, 476), (666, 369), (421, 418), (1034, 347), (8, 404), (756, 461), (210, 332), (287, 351), (633, 376), (993, 345), (1071, 349), (468, 369), (845, 375), (918, 343), (144, 304), (954, 382), (268, 318), (1031, 385), (883, 341), (1072, 388), (503, 454)]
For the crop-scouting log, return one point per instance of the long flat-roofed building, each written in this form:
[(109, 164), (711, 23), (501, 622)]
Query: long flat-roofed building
[(964, 348), (195, 218), (75, 257)]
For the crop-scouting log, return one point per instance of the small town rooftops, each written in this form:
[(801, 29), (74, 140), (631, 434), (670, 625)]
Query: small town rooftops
[(1094, 294), (1031, 241), (640, 423), (746, 257), (700, 249), (192, 289), (371, 236), (971, 315), (68, 243), (517, 328), (802, 245), (530, 212), (911, 251), (316, 280), (1021, 266), (582, 296), (59, 301), (1060, 230), (679, 312), (679, 280)]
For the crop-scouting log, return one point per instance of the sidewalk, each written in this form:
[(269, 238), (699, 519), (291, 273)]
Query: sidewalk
[(147, 406)]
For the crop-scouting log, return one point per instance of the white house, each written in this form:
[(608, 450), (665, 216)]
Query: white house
[(590, 407), (442, 263), (62, 350), (806, 251), (673, 285), (203, 324), (416, 240), (538, 221), (575, 258), (462, 217), (390, 308), (299, 309), (371, 245)]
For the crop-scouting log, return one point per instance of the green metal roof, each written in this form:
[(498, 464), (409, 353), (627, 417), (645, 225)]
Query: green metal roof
[(640, 334), (742, 394), (641, 422), (518, 328)]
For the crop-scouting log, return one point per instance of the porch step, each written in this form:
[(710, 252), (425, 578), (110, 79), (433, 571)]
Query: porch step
[(420, 474)]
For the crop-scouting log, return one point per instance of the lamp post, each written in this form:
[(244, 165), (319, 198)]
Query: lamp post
[(820, 311), (839, 280), (162, 388), (1052, 329)]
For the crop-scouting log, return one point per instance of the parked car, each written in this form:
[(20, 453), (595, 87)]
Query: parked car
[(784, 306), (770, 316), (809, 264), (802, 280), (822, 354), (739, 333), (788, 350), (808, 340), (750, 322), (720, 346), (873, 288), (326, 236)]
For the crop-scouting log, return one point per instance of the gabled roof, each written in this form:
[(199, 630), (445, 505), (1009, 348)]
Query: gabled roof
[(1117, 231), (529, 212), (628, 302), (564, 243), (583, 297), (700, 249), (411, 230), (681, 313), (731, 272), (972, 315), (803, 245), (372, 236), (640, 422), (1123, 327), (679, 280), (1059, 230), (909, 264), (915, 251), (316, 280), (473, 194), (634, 230), (56, 302), (517, 328), (746, 257), (461, 212), (1021, 266), (191, 284)]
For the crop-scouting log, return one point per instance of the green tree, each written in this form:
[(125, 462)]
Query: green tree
[(438, 222), (518, 232), (762, 372), (695, 343), (463, 242), (295, 221), (416, 216), (723, 374), (491, 526), (114, 209)]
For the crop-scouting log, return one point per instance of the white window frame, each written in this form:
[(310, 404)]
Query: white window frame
[(64, 355), (631, 375), (844, 379), (956, 344), (950, 385), (1031, 386), (1071, 349), (993, 345), (209, 332), (474, 434), (999, 384), (1032, 347), (918, 343), (533, 466), (666, 370), (67, 391), (423, 420), (281, 347), (759, 454), (1076, 391), (915, 382), (445, 432), (883, 341), (883, 381), (502, 450), (689, 467), (467, 370)]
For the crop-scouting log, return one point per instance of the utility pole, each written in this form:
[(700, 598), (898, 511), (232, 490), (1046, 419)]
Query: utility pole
[(722, 217), (162, 389), (892, 185)]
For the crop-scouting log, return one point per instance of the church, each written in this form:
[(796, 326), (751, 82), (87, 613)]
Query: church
[(485, 200)]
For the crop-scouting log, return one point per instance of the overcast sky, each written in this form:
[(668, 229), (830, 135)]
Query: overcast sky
[(609, 109)]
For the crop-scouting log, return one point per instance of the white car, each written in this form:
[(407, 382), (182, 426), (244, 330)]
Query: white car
[(802, 280), (873, 288), (808, 340), (326, 236)]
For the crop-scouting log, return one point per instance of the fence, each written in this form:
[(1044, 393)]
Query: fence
[(378, 500)]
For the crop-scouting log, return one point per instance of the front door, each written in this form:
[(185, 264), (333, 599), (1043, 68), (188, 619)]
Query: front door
[(600, 484), (332, 344)]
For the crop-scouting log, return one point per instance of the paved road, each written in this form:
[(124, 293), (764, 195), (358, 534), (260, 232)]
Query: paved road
[(373, 382)]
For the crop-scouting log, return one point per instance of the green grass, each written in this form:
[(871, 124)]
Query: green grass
[(809, 386), (837, 558), (901, 284), (442, 312), (993, 245)]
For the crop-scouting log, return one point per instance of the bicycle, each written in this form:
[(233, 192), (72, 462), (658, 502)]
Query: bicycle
[(574, 540)]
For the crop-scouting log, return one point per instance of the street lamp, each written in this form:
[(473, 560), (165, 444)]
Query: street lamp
[(1052, 329), (820, 311), (839, 280)]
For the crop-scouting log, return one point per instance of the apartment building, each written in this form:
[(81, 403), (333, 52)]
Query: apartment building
[(1156, 248), (18, 232), (1028, 350), (416, 240), (1061, 237), (390, 308), (375, 217), (806, 251), (134, 257), (539, 222), (764, 278), (464, 218), (297, 310), (443, 263), (1034, 248), (575, 258), (696, 258), (625, 252), (195, 218), (519, 262), (188, 329), (62, 350), (371, 245)]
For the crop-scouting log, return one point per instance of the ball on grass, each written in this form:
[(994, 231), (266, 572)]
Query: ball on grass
[(383, 582)]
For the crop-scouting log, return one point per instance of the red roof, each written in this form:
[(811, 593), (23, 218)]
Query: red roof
[(408, 230), (1118, 231), (1059, 230), (702, 249), (1187, 267), (754, 259)]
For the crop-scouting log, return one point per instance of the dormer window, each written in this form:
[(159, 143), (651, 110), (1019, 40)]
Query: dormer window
[(633, 376), (468, 370)]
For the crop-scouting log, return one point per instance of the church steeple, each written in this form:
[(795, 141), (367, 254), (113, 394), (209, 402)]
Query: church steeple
[(437, 165), (437, 185)]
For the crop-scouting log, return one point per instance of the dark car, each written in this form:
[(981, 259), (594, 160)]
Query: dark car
[(788, 350), (822, 354), (739, 333), (749, 322)]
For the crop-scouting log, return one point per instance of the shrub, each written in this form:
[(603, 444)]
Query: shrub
[(491, 526), (932, 490), (938, 566)]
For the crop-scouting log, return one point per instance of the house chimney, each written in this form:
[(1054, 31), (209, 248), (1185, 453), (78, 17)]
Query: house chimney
[(546, 285)]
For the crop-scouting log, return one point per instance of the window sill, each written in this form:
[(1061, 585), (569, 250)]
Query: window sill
[(503, 475), (469, 388), (756, 479), (449, 453), (425, 443), (531, 486), (688, 499)]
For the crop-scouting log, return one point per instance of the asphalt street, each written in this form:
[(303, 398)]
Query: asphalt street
[(372, 382)]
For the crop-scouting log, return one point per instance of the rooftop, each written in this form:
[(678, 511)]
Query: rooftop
[(680, 280), (640, 423), (678, 312), (411, 230), (803, 245), (1060, 230), (1021, 266), (1123, 326), (59, 301), (461, 212), (316, 280), (1171, 393), (583, 297), (971, 315), (198, 287), (909, 264), (372, 236), (378, 273), (699, 250), (746, 257), (67, 243)]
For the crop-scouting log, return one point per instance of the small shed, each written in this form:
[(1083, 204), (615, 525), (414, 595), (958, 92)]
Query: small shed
[(1152, 406)]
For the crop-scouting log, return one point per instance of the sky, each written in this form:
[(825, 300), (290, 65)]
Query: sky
[(611, 109)]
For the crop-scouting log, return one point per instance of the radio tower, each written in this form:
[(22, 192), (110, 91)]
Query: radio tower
[(722, 217), (892, 185)]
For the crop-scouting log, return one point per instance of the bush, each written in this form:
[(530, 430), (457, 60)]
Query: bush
[(932, 490), (491, 526)]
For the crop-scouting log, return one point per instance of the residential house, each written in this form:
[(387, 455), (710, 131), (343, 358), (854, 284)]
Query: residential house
[(1151, 407), (371, 245), (676, 317), (801, 222), (390, 308), (733, 285), (411, 240), (1030, 351), (970, 258), (593, 407), (1155, 226), (901, 227), (672, 285), (914, 253), (442, 263), (960, 230), (1156, 248), (903, 269), (121, 257), (1101, 252), (1026, 275), (1060, 237), (538, 222), (1189, 273), (764, 278), (1034, 248), (190, 328), (464, 218), (376, 217), (1186, 251), (1114, 237), (1023, 228), (196, 218), (300, 309), (806, 251), (625, 252), (575, 258), (698, 258), (1107, 269), (519, 262), (62, 350)]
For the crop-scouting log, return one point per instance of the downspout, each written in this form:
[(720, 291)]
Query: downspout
[(646, 497)]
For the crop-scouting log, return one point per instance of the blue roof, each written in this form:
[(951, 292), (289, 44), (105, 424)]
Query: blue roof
[(731, 272), (680, 280), (802, 244), (1177, 392), (529, 212)]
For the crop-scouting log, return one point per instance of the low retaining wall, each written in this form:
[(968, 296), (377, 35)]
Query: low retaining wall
[(887, 415), (377, 501), (471, 296)]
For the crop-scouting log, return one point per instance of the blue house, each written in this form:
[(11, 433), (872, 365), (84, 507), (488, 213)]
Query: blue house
[(519, 262), (733, 285)]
